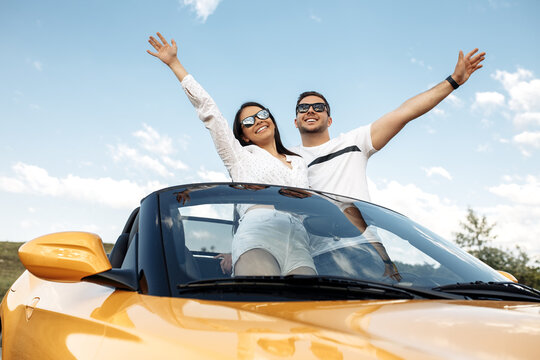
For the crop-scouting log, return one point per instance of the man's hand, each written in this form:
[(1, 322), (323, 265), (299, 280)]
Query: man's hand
[(165, 52), (466, 65), (226, 263), (391, 271)]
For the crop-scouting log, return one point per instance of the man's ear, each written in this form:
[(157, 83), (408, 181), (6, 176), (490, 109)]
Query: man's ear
[(295, 123), (329, 121)]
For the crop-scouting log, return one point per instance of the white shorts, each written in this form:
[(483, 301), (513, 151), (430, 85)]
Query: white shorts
[(277, 232)]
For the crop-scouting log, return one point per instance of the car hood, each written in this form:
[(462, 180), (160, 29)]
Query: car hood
[(413, 329)]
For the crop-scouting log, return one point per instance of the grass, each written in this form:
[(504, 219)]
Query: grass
[(10, 265)]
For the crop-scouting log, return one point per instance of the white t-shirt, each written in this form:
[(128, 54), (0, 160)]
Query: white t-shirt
[(339, 165), (244, 163)]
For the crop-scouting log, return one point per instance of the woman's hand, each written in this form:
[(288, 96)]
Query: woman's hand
[(183, 197), (165, 52)]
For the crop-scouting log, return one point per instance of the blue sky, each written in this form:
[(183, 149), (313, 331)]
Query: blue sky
[(90, 123)]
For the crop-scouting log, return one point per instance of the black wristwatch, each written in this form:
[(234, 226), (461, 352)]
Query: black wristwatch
[(452, 82)]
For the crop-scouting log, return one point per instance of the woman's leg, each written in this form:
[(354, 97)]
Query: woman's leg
[(256, 262), (302, 270)]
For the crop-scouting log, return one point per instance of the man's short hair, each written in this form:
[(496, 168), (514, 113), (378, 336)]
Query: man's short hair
[(313, 93)]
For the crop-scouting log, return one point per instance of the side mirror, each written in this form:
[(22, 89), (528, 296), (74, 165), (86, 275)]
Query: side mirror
[(508, 275), (65, 256)]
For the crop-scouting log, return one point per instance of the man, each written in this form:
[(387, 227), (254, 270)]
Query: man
[(338, 165)]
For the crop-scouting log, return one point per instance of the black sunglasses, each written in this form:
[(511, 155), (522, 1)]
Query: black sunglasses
[(250, 120), (303, 108)]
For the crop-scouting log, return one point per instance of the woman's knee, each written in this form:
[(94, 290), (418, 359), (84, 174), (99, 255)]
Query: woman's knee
[(256, 262)]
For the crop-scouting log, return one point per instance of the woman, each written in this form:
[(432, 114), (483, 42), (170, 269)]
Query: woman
[(254, 153)]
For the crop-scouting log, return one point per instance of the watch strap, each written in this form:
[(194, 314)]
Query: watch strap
[(452, 82)]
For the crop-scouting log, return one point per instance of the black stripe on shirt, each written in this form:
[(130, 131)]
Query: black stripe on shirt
[(333, 155)]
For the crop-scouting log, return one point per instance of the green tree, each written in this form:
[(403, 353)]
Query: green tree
[(477, 239)]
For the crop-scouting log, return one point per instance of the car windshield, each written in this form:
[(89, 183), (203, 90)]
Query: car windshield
[(279, 231)]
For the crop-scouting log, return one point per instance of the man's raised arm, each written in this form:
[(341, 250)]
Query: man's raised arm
[(386, 127)]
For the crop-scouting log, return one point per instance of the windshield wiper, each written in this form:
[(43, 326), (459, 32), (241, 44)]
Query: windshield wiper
[(480, 290), (303, 287)]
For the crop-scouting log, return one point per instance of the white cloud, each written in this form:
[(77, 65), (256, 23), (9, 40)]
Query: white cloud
[(27, 224), (420, 63), (524, 90), (483, 148), (175, 164), (37, 65), (159, 146), (528, 138), (527, 193), (438, 170), (11, 185), (499, 4), (315, 18), (509, 178), (525, 152), (31, 179), (440, 215), (515, 224), (152, 141), (454, 100), (437, 111), (67, 226), (121, 152), (488, 99), (486, 123), (203, 8), (212, 176), (526, 119), (524, 101), (430, 130)]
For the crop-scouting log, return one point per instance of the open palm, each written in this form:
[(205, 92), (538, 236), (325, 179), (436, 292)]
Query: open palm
[(466, 65), (165, 52)]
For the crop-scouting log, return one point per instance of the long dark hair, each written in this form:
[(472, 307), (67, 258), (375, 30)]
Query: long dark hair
[(237, 129)]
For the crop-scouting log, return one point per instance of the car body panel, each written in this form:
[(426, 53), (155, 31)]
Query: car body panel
[(111, 324), (167, 297)]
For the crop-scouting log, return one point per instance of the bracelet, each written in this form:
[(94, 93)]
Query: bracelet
[(452, 82)]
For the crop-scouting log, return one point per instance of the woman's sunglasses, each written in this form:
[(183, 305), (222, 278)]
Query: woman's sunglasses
[(303, 108), (250, 120)]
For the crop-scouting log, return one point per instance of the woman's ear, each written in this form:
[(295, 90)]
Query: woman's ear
[(245, 139)]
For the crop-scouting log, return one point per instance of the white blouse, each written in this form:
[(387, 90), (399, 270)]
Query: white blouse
[(244, 163)]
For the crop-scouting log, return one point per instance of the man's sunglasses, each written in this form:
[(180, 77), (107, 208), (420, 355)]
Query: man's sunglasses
[(303, 108), (250, 120)]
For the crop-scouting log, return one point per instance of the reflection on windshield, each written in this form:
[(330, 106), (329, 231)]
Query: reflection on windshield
[(258, 230)]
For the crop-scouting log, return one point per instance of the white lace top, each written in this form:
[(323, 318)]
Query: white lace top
[(244, 163)]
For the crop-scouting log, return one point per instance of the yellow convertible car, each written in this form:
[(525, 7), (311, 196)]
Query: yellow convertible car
[(247, 271)]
